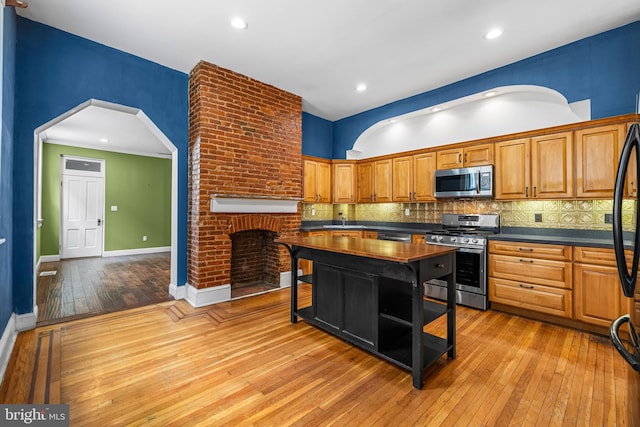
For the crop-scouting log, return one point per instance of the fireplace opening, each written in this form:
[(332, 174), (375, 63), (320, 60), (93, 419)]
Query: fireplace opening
[(255, 262)]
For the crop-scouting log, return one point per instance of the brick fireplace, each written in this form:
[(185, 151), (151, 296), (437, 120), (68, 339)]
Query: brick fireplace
[(245, 140)]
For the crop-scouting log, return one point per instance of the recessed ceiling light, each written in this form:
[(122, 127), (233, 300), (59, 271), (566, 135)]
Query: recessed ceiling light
[(493, 33), (436, 109), (490, 93), (239, 23), (361, 87), (105, 140)]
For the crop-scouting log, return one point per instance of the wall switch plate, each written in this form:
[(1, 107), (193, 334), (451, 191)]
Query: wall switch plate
[(114, 208), (313, 212), (608, 218), (144, 238), (538, 217), (407, 212)]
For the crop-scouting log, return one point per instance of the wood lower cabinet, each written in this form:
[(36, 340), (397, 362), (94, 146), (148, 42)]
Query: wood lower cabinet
[(346, 233), (597, 294), (367, 234), (531, 276), (578, 283), (418, 238)]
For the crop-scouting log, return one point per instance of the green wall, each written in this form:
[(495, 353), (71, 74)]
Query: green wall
[(139, 186)]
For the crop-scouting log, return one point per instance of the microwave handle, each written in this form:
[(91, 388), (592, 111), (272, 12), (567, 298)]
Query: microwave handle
[(478, 184)]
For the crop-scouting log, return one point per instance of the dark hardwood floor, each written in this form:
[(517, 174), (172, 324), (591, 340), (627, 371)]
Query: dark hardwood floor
[(83, 287)]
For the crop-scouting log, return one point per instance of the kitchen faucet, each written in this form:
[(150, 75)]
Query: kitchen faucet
[(344, 219)]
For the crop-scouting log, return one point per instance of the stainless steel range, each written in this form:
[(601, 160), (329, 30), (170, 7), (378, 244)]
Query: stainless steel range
[(467, 233)]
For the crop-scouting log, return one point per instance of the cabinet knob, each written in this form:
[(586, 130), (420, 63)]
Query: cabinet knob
[(526, 191), (439, 265)]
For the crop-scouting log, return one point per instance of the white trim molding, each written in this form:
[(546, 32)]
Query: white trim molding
[(140, 251), (7, 341), (47, 258), (207, 296), (27, 321), (178, 292)]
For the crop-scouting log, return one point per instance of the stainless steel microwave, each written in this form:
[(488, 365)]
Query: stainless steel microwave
[(464, 182)]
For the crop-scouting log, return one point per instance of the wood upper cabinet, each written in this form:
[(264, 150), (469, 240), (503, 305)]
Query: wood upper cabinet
[(597, 294), (552, 166), (317, 181), (344, 182), (375, 181), (539, 167), (512, 175), (478, 155), (597, 157), (424, 167), (413, 178), (403, 179)]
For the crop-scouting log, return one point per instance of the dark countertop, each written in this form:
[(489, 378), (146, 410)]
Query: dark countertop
[(556, 236), (401, 227), (560, 236)]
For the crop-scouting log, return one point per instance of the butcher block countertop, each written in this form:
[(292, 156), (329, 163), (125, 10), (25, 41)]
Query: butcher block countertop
[(370, 248)]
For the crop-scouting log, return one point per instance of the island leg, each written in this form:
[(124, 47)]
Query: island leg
[(417, 321), (451, 317)]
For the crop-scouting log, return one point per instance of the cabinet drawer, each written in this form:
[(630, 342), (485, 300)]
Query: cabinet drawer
[(314, 233), (599, 256), (533, 250), (538, 298), (531, 270), (370, 234), (432, 268), (347, 233)]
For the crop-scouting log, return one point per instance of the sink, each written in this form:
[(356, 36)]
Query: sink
[(344, 227)]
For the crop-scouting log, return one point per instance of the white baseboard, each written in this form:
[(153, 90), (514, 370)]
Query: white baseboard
[(26, 321), (48, 258), (178, 292), (208, 296), (7, 341), (285, 278), (139, 251)]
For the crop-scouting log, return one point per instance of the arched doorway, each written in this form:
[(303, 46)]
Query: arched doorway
[(105, 126)]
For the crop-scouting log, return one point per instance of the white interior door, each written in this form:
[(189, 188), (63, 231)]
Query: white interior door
[(82, 202)]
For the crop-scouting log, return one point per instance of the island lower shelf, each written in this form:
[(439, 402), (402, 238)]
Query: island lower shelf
[(395, 343), (378, 304)]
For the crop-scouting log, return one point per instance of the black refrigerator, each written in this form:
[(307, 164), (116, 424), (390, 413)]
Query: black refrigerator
[(628, 172)]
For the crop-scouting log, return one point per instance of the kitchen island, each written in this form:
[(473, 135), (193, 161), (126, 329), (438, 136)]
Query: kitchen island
[(371, 293)]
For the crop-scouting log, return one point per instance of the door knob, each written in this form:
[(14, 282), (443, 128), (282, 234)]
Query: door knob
[(99, 221)]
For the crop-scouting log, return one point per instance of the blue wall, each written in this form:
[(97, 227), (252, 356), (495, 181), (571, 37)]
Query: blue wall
[(56, 71), (6, 154), (604, 68), (317, 136)]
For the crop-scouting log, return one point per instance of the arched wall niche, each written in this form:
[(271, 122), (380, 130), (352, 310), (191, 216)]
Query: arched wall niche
[(499, 111)]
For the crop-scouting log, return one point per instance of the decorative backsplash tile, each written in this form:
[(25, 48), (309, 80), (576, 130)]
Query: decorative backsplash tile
[(572, 214)]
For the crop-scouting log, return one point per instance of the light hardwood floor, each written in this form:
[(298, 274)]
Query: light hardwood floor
[(244, 363)]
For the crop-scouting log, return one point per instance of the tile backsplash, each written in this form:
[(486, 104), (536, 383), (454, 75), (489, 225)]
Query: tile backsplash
[(573, 214)]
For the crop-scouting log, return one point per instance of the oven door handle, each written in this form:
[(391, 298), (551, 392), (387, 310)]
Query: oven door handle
[(471, 250)]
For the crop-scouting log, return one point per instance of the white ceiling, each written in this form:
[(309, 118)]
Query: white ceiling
[(320, 50)]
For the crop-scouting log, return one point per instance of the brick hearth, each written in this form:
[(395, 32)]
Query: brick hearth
[(245, 138)]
